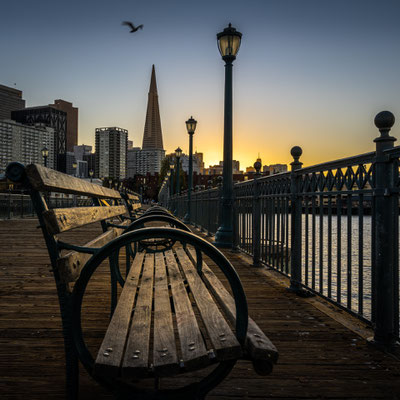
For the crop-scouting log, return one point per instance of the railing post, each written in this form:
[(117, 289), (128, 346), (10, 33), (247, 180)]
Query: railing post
[(220, 192), (256, 217), (296, 211), (209, 208), (386, 248), (235, 223), (202, 209), (195, 201)]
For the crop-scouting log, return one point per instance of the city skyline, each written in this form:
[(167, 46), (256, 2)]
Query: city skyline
[(311, 73)]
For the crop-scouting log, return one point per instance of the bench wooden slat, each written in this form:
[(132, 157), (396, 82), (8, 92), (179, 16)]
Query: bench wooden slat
[(111, 351), (165, 358), (259, 347), (70, 265), (46, 179), (63, 219), (136, 358), (193, 349), (222, 338), (131, 196), (136, 206)]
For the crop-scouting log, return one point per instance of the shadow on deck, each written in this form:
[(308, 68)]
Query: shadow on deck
[(323, 353)]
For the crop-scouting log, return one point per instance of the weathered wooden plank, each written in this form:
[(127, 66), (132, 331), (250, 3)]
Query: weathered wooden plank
[(136, 206), (110, 354), (165, 359), (46, 179), (131, 196), (70, 265), (136, 358), (63, 219), (193, 349), (260, 349), (222, 338)]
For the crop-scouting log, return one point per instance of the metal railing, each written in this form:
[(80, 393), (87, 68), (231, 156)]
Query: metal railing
[(15, 206), (333, 228), (20, 205)]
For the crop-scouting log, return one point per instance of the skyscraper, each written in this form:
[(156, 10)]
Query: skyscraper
[(24, 143), (10, 100), (111, 152), (149, 158), (72, 122), (152, 137), (51, 117)]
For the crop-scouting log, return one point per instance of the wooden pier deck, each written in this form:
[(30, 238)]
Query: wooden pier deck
[(323, 354)]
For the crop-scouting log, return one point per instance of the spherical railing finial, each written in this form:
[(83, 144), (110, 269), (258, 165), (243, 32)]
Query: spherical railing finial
[(296, 152), (257, 166), (384, 120)]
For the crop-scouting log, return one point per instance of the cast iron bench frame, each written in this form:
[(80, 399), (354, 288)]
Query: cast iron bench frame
[(76, 268)]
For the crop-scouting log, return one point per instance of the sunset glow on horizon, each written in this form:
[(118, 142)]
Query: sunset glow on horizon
[(310, 73)]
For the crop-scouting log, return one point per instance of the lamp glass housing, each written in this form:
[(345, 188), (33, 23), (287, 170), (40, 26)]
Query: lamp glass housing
[(191, 125), (178, 152), (229, 42), (45, 152)]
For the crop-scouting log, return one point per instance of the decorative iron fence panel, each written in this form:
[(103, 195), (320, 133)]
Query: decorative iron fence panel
[(337, 234), (333, 228)]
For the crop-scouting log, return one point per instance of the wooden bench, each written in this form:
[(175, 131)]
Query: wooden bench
[(132, 202), (173, 316)]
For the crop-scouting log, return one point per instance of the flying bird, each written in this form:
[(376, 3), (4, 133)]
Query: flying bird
[(133, 27)]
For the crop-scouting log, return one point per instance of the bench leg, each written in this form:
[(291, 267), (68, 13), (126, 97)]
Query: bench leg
[(72, 375), (71, 356), (114, 290), (71, 363)]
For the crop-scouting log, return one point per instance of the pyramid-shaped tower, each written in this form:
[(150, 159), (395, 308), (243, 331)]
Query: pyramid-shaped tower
[(152, 137)]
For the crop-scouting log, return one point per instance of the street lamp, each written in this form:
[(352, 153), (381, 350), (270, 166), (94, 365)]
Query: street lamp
[(191, 127), (178, 153), (91, 174), (45, 154), (74, 165), (228, 44)]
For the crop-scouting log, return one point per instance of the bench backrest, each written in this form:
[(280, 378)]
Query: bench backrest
[(105, 204), (132, 202)]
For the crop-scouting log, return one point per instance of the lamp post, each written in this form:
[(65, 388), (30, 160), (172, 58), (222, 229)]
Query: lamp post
[(91, 174), (191, 127), (45, 154), (167, 182), (171, 184), (228, 44), (178, 153)]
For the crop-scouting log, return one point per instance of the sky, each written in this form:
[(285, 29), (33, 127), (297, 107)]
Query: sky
[(311, 73)]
